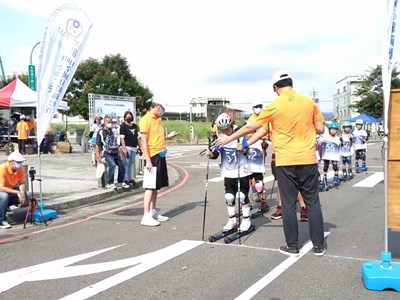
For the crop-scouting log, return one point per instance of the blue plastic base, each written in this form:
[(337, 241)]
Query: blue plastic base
[(383, 275), (48, 214)]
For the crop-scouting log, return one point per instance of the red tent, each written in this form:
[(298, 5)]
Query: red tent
[(17, 94)]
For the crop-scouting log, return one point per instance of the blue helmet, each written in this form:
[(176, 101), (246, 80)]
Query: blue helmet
[(334, 126), (359, 122), (346, 124)]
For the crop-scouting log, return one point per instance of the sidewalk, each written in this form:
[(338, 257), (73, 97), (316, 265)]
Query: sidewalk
[(69, 181)]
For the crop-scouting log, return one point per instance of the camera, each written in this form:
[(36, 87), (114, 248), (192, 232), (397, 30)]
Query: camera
[(32, 173)]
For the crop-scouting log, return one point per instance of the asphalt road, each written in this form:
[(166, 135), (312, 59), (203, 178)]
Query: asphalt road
[(102, 251)]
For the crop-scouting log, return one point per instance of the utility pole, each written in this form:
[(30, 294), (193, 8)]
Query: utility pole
[(314, 95)]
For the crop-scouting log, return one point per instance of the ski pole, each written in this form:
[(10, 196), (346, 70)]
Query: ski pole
[(238, 194), (205, 193)]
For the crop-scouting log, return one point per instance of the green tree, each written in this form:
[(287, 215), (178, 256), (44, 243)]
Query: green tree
[(109, 76), (371, 93)]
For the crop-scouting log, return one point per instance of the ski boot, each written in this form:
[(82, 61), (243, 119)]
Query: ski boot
[(336, 182), (350, 174), (230, 224), (344, 176), (357, 168), (364, 167), (324, 185)]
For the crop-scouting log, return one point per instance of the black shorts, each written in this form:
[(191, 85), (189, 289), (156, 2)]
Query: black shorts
[(231, 186), (162, 173)]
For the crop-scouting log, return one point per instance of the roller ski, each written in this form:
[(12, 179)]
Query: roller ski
[(239, 234), (221, 234)]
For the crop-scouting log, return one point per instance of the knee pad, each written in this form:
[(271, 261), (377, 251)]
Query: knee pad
[(326, 166), (259, 185), (241, 197), (335, 167), (230, 199), (358, 155), (363, 156)]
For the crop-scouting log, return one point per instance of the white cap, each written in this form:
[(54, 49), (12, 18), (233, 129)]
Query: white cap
[(16, 156), (22, 116), (280, 75), (114, 120)]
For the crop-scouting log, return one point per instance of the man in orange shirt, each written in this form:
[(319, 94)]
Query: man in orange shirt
[(31, 125), (295, 120), (12, 185), (23, 133), (153, 142)]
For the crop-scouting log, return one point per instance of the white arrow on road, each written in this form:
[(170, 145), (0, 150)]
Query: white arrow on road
[(59, 269)]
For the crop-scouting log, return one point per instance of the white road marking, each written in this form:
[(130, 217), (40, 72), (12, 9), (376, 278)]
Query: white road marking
[(61, 269), (370, 181), (278, 270)]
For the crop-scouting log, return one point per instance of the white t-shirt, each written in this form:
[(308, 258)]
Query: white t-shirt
[(360, 138)]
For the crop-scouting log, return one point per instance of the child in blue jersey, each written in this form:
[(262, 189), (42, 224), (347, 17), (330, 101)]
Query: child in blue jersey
[(346, 151), (331, 153), (234, 166), (360, 146)]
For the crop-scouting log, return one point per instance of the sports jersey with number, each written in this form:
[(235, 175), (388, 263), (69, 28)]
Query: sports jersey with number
[(231, 160), (331, 148), (346, 148), (360, 137), (255, 157)]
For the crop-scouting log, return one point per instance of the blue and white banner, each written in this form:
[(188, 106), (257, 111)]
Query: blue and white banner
[(64, 38), (388, 48)]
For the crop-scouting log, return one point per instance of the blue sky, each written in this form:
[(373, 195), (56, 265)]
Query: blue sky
[(183, 49)]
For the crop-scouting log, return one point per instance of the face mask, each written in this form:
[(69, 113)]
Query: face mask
[(161, 112), (109, 125), (129, 120), (17, 166), (257, 110)]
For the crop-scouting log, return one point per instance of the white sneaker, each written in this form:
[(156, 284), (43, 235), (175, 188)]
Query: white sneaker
[(149, 221), (231, 224), (124, 185), (245, 224), (160, 218), (5, 225), (111, 186)]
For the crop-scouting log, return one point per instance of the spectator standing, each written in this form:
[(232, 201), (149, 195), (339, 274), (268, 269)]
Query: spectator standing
[(214, 131), (295, 120), (12, 185), (107, 148), (153, 142), (23, 133), (129, 135), (94, 129), (31, 125)]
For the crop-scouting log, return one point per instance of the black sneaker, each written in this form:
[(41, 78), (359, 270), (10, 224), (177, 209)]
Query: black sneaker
[(291, 251), (319, 250)]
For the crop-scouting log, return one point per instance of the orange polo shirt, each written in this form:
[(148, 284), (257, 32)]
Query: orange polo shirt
[(23, 130), (292, 117), (10, 178), (151, 125)]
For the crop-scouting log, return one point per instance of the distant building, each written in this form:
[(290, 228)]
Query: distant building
[(208, 109), (344, 97)]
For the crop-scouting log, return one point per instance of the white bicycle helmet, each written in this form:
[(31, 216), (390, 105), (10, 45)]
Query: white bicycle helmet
[(224, 121)]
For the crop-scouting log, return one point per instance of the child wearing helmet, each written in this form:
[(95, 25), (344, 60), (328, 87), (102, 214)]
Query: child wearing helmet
[(360, 146), (346, 150), (331, 153), (235, 167)]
